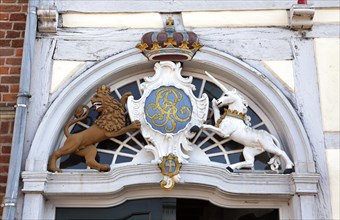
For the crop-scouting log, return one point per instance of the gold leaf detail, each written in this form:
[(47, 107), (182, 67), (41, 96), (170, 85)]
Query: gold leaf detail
[(196, 46), (155, 46), (184, 45), (170, 42), (142, 47)]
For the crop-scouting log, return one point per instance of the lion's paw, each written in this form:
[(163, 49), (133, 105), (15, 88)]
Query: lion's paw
[(105, 168), (136, 124)]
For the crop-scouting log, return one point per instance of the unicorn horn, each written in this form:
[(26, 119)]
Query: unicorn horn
[(224, 89)]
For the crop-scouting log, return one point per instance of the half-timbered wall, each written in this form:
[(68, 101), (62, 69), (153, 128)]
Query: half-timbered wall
[(292, 75)]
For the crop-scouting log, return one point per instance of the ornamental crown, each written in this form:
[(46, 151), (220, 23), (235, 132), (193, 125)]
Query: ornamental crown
[(169, 44), (103, 90)]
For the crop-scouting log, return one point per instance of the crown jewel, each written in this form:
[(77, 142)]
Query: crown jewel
[(103, 90), (169, 44)]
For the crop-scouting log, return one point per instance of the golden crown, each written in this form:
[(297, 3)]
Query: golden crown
[(103, 90), (169, 44)]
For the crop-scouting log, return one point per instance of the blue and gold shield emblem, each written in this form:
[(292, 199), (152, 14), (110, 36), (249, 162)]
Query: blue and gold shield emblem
[(170, 168), (170, 165), (168, 109)]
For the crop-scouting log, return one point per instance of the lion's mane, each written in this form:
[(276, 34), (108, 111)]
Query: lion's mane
[(112, 117)]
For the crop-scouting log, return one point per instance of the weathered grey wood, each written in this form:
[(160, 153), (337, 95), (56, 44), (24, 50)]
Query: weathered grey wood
[(40, 87), (260, 49), (119, 34), (324, 31), (178, 5), (90, 50), (250, 45), (307, 97), (257, 49), (111, 34), (332, 140), (245, 33)]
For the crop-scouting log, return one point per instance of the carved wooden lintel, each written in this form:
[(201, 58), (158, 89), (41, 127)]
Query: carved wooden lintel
[(301, 17), (47, 20)]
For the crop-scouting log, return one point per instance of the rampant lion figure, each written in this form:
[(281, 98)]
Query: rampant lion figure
[(111, 123)]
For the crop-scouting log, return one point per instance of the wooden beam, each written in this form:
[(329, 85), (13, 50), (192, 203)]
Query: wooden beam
[(166, 6)]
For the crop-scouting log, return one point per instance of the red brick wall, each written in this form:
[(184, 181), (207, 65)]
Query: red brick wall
[(12, 26)]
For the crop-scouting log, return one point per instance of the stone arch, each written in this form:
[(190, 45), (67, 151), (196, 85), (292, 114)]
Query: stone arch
[(240, 75)]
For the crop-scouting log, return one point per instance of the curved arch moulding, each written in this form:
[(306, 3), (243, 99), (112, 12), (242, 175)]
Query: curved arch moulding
[(237, 73)]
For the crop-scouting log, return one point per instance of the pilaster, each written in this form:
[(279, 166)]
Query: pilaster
[(308, 102)]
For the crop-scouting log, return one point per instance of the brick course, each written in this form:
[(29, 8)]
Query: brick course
[(12, 26)]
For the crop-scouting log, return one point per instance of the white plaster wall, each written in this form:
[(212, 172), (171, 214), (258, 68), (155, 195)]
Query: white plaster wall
[(333, 158), (190, 19), (327, 16), (283, 70), (61, 71), (236, 18), (327, 54), (117, 20), (327, 60)]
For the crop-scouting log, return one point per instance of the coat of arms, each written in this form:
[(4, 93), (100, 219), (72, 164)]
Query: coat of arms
[(167, 111)]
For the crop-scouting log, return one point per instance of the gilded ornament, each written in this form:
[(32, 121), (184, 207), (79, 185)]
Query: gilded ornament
[(155, 46), (111, 123), (228, 112), (184, 45), (197, 46), (170, 21), (169, 44), (170, 169), (168, 109), (142, 46)]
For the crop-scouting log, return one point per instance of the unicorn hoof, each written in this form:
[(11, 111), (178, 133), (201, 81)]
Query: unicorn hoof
[(288, 171), (230, 169)]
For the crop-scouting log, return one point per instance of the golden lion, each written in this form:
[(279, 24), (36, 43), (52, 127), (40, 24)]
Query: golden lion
[(111, 123)]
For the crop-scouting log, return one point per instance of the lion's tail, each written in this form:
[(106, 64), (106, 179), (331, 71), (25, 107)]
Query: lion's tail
[(124, 98), (80, 114)]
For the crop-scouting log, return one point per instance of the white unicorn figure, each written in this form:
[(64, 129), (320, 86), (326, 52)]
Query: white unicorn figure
[(234, 124)]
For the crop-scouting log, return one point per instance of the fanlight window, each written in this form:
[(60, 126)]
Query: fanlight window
[(128, 148)]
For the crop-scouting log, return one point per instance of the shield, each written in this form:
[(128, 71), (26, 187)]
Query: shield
[(170, 165)]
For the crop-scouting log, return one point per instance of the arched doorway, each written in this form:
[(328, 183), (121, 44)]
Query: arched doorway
[(207, 181)]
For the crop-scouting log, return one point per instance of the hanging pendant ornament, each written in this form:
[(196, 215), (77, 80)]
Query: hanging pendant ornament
[(170, 169)]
